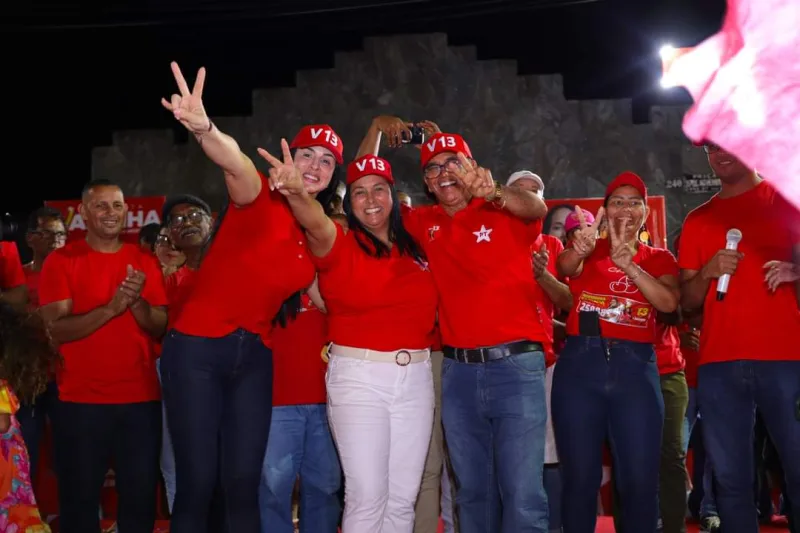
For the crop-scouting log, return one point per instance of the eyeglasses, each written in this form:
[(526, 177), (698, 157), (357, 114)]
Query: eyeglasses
[(711, 148), (47, 234), (434, 171), (163, 240), (195, 217)]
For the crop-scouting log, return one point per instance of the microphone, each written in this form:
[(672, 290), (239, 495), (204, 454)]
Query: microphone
[(733, 237)]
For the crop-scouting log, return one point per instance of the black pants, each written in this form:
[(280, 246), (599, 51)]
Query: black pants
[(218, 394), (88, 437), (32, 418)]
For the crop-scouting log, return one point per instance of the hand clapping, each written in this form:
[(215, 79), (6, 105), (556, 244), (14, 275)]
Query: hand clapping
[(188, 106), (540, 261), (585, 237), (283, 176)]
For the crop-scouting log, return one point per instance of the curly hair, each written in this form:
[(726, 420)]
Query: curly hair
[(27, 353)]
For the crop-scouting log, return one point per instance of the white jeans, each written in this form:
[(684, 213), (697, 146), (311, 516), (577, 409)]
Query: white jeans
[(381, 417)]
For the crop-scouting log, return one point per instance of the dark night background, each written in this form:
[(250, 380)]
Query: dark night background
[(73, 73)]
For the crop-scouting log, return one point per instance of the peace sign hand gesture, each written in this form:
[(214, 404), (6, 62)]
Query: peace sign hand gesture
[(283, 176), (188, 106), (585, 237), (477, 180), (621, 251)]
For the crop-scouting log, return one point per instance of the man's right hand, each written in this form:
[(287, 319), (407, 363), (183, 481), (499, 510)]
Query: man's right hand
[(120, 301), (723, 262), (690, 339)]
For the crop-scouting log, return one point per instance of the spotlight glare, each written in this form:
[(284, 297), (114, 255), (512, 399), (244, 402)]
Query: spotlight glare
[(667, 51)]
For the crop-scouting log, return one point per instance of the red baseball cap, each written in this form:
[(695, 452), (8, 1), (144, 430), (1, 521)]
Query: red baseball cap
[(319, 135), (443, 142), (369, 165), (629, 179)]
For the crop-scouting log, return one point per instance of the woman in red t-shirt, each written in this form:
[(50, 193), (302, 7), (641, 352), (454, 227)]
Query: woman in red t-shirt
[(606, 383), (381, 303), (217, 359)]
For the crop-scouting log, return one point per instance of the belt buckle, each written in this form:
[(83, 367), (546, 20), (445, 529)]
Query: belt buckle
[(402, 361)]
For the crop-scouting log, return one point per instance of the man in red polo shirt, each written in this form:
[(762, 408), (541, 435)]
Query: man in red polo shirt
[(478, 239), (46, 232), (104, 301), (12, 279), (748, 350)]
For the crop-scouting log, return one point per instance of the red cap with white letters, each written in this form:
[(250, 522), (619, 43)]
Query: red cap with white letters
[(443, 142), (319, 135), (369, 165)]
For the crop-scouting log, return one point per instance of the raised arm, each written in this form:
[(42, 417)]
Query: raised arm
[(663, 292), (241, 177), (309, 213), (570, 261)]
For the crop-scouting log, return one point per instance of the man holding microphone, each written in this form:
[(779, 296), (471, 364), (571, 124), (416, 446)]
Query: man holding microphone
[(748, 294)]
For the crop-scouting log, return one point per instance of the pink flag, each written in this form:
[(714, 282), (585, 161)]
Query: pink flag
[(745, 81)]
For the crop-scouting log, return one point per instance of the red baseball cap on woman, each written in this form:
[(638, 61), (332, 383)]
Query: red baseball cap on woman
[(629, 179), (369, 165), (319, 135)]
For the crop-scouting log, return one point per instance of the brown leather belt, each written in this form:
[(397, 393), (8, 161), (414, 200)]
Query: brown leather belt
[(491, 353)]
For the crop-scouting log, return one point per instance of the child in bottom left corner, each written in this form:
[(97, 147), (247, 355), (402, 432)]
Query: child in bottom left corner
[(27, 361)]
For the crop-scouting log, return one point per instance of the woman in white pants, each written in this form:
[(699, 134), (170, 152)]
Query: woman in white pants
[(381, 304)]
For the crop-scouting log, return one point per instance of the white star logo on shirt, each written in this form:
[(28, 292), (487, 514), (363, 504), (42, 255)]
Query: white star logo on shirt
[(483, 234)]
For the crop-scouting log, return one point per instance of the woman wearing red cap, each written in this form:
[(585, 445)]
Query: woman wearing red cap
[(381, 303), (216, 362), (606, 383)]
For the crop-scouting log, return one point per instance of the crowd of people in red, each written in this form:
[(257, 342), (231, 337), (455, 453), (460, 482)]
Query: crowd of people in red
[(350, 340)]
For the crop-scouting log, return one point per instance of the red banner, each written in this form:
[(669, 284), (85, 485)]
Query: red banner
[(141, 211), (656, 223)]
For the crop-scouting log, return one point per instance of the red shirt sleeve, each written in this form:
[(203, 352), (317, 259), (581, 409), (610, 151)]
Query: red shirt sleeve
[(413, 221), (54, 285), (791, 215), (661, 263), (689, 257), (333, 256), (154, 290), (555, 247), (11, 274)]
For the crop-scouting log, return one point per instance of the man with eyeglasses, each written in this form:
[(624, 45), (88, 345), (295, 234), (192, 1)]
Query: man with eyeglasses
[(46, 232), (477, 239), (748, 348)]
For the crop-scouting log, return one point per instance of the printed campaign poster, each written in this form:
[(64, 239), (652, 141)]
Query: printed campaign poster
[(141, 211), (656, 223)]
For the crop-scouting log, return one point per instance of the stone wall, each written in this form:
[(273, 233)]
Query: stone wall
[(510, 122)]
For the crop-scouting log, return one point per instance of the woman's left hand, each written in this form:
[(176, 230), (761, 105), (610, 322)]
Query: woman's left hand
[(621, 251), (779, 272)]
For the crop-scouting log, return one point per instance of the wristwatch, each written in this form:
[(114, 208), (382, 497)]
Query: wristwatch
[(497, 195)]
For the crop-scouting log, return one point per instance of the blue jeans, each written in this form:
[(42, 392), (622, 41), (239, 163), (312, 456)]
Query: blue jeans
[(300, 443), (728, 394), (708, 506), (619, 400), (218, 394), (494, 417), (32, 418), (167, 453)]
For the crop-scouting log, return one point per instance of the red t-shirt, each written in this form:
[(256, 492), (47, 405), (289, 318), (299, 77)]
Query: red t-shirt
[(298, 368), (692, 359), (179, 286), (11, 274), (257, 260), (669, 356), (481, 261), (624, 312), (115, 364), (381, 304), (751, 323), (544, 305), (32, 281)]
